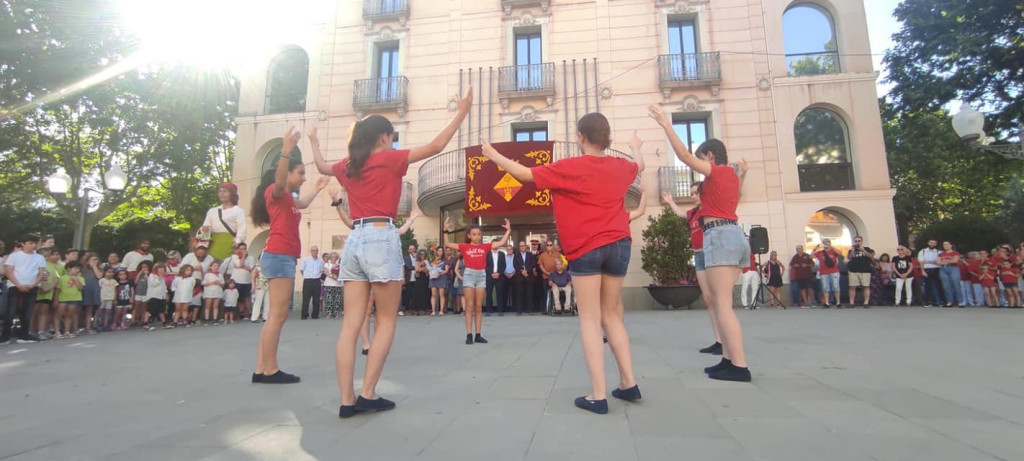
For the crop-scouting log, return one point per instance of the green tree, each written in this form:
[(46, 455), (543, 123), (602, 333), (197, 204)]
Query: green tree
[(667, 249), (966, 232), (970, 50)]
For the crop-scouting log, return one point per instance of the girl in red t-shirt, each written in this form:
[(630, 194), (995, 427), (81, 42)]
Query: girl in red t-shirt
[(274, 205), (474, 279), (726, 249), (987, 277), (1009, 276), (588, 200), (372, 176)]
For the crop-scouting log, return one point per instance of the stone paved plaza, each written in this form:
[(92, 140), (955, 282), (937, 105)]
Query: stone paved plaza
[(884, 384)]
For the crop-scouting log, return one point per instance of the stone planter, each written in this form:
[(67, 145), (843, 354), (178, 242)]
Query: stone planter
[(675, 296)]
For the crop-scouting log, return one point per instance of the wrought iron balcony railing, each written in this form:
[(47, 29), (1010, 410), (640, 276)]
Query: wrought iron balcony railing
[(380, 93), (527, 80), (384, 9), (676, 180), (690, 69)]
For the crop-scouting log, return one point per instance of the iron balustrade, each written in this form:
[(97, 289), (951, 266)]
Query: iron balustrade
[(689, 67), (383, 8), (380, 92), (531, 78), (405, 201), (676, 180), (826, 176)]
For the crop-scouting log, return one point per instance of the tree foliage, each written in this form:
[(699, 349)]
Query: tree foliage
[(966, 232), (971, 50), (76, 97), (667, 249)]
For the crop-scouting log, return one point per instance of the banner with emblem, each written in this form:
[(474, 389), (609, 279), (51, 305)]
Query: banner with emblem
[(492, 191)]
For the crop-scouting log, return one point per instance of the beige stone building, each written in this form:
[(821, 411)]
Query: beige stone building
[(787, 85)]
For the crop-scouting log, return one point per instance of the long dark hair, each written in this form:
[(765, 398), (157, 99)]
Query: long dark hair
[(363, 139), (258, 208)]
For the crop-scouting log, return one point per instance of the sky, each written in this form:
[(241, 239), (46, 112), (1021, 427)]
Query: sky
[(881, 26)]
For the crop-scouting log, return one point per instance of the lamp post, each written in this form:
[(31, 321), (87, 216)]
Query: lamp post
[(969, 124), (59, 184)]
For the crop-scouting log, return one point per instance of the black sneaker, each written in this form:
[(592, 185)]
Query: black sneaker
[(480, 339), (597, 406), (717, 346), (731, 372), (378, 404), (348, 411), (718, 366), (280, 378), (257, 377), (469, 338), (825, 306), (27, 339), (630, 395), (366, 352)]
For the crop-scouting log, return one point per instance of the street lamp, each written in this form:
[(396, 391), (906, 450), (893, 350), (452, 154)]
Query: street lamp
[(60, 183), (969, 125)]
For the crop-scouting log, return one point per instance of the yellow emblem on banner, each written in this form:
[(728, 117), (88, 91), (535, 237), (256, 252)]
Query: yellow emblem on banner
[(475, 202), (508, 187), (540, 157), (475, 164), (540, 198)]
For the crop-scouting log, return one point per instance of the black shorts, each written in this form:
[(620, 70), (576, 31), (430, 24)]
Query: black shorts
[(244, 290), (1007, 286), (805, 284), (155, 307)]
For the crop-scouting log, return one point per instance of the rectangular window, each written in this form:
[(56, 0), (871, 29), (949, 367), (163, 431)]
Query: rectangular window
[(691, 131), (387, 73), (394, 142), (530, 132), (682, 45), (529, 71)]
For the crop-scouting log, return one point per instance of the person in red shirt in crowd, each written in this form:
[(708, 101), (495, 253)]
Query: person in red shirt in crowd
[(949, 272), (474, 279), (274, 205), (726, 249), (828, 268), (988, 277), (974, 271), (588, 200), (372, 176), (966, 293), (751, 281), (1008, 276), (801, 266)]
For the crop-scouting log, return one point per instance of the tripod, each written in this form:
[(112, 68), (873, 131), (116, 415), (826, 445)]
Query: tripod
[(762, 288)]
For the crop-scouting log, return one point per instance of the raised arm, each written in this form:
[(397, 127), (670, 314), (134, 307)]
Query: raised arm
[(634, 146), (447, 243), (667, 200), (520, 172), (318, 157), (743, 174), (345, 218), (303, 202), (641, 209), (504, 239), (289, 140), (682, 152), (416, 213), (445, 136)]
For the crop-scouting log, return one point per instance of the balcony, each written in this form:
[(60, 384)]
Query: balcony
[(385, 10), (689, 70), (405, 202), (676, 181), (508, 5), (826, 176), (442, 179), (378, 94), (531, 80)]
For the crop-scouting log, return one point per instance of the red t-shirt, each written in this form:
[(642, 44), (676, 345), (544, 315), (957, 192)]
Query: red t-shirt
[(475, 255), (378, 188), (1009, 276), (974, 270), (752, 266), (284, 224), (721, 193), (588, 198), (824, 269), (989, 279), (696, 230), (965, 269), (948, 254)]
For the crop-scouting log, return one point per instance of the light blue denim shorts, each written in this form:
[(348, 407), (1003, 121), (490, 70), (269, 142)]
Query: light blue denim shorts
[(830, 282), (726, 246), (277, 266), (474, 278), (698, 260), (372, 254)]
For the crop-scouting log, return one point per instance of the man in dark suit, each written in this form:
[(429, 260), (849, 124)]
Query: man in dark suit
[(495, 287), (525, 264), (408, 279)]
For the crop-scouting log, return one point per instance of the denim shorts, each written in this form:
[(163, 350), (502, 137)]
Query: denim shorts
[(474, 278), (611, 259), (830, 282), (277, 266), (698, 260), (372, 254), (726, 246)]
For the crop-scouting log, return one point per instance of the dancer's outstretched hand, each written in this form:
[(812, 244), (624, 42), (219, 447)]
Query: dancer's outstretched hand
[(289, 140), (666, 198), (507, 225), (313, 138), (488, 150), (636, 143), (659, 116), (465, 101)]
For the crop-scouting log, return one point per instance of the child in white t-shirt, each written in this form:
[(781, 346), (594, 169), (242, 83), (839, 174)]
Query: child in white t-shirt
[(230, 302), (213, 292), (182, 287)]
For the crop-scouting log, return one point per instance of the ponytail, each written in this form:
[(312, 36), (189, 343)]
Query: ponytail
[(363, 139), (258, 207)]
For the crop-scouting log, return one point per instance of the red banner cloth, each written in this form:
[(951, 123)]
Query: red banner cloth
[(492, 191)]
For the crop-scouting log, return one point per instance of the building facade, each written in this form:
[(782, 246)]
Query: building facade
[(787, 85)]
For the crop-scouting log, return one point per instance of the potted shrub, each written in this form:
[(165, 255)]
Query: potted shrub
[(667, 257)]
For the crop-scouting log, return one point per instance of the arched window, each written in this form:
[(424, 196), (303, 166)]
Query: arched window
[(822, 151), (833, 225), (287, 78), (810, 40)]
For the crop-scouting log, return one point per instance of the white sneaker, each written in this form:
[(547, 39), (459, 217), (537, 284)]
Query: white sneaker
[(401, 313)]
